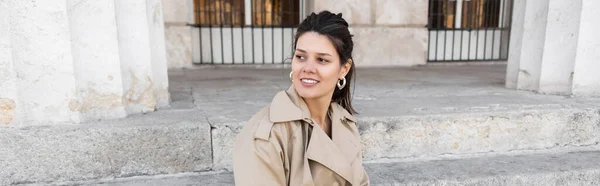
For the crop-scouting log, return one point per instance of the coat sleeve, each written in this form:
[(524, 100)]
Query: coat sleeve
[(257, 161)]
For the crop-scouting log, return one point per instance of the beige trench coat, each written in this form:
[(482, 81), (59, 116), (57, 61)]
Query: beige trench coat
[(281, 145)]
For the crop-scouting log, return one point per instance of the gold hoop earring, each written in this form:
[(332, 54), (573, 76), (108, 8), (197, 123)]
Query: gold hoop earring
[(343, 83)]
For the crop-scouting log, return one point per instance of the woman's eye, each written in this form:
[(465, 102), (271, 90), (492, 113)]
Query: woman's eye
[(322, 60), (299, 57)]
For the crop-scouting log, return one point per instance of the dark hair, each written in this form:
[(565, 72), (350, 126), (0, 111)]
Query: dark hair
[(336, 29)]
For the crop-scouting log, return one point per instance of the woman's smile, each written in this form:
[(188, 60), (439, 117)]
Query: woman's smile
[(309, 82)]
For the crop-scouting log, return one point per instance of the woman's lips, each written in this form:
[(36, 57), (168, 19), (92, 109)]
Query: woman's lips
[(307, 82)]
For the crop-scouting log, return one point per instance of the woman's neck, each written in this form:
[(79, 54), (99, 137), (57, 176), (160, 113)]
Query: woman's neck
[(318, 111)]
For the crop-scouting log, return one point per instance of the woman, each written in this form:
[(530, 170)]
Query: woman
[(308, 134)]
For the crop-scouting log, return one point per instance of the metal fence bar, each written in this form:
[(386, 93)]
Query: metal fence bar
[(242, 32), (221, 19), (445, 30), (200, 18), (232, 15), (210, 24), (453, 32), (495, 18), (437, 33), (293, 16), (470, 25), (501, 25), (253, 9), (486, 26), (462, 33), (262, 30), (429, 26), (281, 14), (272, 32)]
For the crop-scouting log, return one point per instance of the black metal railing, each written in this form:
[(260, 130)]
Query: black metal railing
[(469, 30), (244, 31)]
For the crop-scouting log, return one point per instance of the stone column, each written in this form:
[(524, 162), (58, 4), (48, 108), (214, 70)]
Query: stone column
[(560, 46), (8, 87), (96, 59), (544, 39), (527, 44), (586, 80), (178, 35), (157, 49), (43, 62), (516, 40), (135, 52)]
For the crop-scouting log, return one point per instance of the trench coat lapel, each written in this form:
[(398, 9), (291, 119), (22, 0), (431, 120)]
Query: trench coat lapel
[(342, 134), (338, 153)]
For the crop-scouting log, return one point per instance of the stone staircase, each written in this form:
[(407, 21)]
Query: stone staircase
[(419, 126)]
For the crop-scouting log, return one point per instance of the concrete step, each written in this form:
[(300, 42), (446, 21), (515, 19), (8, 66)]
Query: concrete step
[(155, 143), (430, 135), (564, 168), (175, 141)]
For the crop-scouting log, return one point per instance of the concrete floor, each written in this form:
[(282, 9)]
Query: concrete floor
[(377, 91)]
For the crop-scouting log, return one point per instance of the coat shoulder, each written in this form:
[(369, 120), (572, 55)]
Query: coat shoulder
[(259, 126)]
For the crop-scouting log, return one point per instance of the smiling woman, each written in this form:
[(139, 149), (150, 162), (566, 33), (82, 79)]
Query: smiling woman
[(308, 134)]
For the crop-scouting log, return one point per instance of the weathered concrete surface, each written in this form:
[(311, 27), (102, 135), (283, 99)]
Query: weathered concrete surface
[(177, 34), (136, 56), (156, 32), (407, 13), (43, 62), (8, 77), (354, 11), (163, 142), (95, 48), (406, 112), (409, 46), (586, 79), (574, 168), (179, 46)]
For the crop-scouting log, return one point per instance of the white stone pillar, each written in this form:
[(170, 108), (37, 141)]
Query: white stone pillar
[(43, 62), (8, 87), (157, 49), (95, 45), (516, 40), (586, 80), (136, 58), (560, 46), (544, 43), (527, 44)]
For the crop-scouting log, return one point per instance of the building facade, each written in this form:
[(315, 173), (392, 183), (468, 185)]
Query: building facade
[(74, 61)]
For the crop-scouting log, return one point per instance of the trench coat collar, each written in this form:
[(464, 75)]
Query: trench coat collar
[(337, 153), (289, 106)]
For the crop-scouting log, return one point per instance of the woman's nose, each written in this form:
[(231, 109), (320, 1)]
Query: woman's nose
[(309, 67)]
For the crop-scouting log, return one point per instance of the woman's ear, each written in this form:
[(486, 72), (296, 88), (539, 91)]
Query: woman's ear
[(346, 68)]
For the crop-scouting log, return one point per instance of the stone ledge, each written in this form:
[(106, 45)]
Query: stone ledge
[(572, 168), (155, 143), (442, 134)]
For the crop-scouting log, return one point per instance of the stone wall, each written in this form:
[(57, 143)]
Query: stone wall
[(386, 32), (178, 38)]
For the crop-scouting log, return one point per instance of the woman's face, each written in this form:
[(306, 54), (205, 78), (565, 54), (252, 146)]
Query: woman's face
[(316, 66)]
